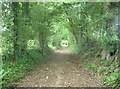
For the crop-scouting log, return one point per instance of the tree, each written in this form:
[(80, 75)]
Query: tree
[(15, 9)]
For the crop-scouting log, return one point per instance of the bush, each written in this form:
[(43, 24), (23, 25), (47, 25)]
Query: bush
[(19, 68)]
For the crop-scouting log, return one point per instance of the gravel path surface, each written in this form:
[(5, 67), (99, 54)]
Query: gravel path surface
[(62, 69)]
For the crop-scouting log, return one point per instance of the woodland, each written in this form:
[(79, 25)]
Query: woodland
[(31, 31)]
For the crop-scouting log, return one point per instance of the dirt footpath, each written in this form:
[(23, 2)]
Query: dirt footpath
[(62, 69)]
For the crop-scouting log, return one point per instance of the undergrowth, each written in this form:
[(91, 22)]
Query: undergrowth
[(13, 71), (107, 69)]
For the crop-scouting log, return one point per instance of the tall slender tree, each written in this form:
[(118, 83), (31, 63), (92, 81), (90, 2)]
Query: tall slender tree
[(15, 9)]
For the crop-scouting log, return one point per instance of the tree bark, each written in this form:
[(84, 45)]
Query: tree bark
[(41, 41), (15, 8), (26, 16)]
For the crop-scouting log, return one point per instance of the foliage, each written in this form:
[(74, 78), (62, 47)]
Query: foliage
[(19, 69), (31, 30), (93, 33)]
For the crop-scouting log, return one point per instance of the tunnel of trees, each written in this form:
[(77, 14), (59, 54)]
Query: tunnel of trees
[(32, 31)]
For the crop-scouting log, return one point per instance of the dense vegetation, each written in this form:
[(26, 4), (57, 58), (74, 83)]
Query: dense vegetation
[(31, 31)]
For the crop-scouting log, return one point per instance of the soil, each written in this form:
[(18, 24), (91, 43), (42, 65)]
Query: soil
[(61, 69)]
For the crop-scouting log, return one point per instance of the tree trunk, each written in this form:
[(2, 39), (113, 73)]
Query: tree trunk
[(41, 41), (26, 16), (15, 8), (119, 31), (119, 21)]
